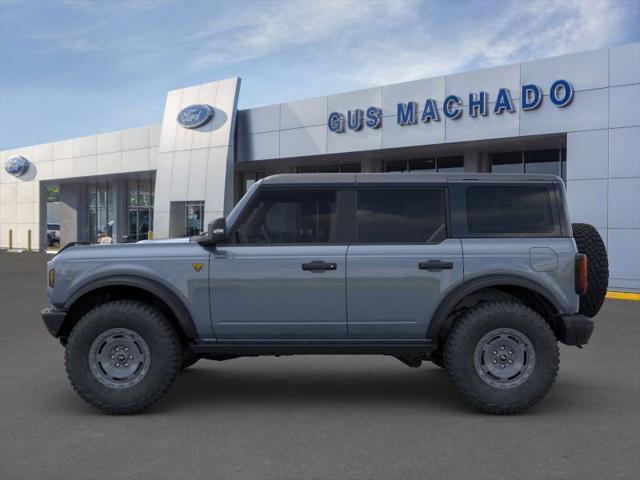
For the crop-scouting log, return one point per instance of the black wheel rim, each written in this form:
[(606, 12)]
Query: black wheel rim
[(504, 358), (119, 358)]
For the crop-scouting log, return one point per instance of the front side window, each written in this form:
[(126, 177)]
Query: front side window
[(289, 217), (401, 216), (509, 210)]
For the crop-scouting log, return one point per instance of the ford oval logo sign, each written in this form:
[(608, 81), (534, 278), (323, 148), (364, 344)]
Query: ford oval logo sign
[(195, 116), (17, 166)]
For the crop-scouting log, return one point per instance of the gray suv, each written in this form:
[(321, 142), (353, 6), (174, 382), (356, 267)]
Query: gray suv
[(479, 274)]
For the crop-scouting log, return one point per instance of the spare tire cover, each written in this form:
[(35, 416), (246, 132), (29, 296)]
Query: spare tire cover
[(590, 243)]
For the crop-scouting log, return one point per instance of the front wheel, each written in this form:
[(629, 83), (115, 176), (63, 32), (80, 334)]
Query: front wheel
[(122, 356), (502, 357)]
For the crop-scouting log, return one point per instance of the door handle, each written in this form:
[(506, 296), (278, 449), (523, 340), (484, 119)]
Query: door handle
[(435, 265), (319, 266)]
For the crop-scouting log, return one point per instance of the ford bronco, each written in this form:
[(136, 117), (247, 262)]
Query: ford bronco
[(481, 274)]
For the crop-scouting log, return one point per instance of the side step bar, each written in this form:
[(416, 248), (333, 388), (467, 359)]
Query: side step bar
[(289, 348)]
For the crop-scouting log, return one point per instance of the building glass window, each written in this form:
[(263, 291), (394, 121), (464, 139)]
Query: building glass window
[(194, 215), (552, 161), (100, 212), (507, 162), (542, 161), (139, 209), (340, 168), (438, 164)]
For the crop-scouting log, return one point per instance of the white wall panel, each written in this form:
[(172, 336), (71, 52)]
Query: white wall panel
[(394, 135), (625, 106), (625, 64), (587, 154), (63, 168), (489, 80), (63, 149), (585, 71), (260, 146), (624, 203), (110, 142), (303, 141), (588, 201), (43, 153), (417, 91), (135, 138), (44, 170), (357, 99), (85, 166), (624, 152), (154, 134), (180, 176), (197, 174), (258, 120), (110, 163), (135, 160), (624, 255), (85, 146), (304, 113), (588, 111), (481, 127)]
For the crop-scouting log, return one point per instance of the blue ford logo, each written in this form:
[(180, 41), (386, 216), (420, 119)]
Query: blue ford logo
[(16, 166), (195, 116)]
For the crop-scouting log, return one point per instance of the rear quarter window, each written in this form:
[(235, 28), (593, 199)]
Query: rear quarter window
[(510, 210)]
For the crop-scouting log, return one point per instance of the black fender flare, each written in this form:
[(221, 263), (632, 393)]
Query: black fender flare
[(459, 293), (174, 303)]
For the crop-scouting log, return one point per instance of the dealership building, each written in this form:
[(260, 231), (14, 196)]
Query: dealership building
[(575, 116)]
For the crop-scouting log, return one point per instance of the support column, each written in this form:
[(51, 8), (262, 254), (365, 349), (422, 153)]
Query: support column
[(72, 212)]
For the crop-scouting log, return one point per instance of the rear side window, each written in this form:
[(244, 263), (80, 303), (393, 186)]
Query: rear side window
[(509, 210), (401, 216)]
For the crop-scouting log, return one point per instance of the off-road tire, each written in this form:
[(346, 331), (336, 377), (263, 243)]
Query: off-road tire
[(589, 242), (164, 349), (469, 330)]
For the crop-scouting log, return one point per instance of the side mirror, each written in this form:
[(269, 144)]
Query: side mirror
[(217, 230)]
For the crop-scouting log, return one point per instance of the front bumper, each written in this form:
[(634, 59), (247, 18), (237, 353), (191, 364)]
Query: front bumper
[(53, 319), (574, 329)]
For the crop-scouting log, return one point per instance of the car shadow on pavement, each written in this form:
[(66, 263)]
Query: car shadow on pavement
[(214, 385)]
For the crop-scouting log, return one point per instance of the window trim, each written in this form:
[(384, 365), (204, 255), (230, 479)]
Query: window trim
[(444, 191)]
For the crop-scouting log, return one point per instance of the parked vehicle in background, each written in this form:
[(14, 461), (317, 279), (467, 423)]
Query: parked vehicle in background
[(53, 234), (480, 274)]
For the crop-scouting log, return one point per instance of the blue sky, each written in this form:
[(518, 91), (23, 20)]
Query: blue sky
[(80, 67)]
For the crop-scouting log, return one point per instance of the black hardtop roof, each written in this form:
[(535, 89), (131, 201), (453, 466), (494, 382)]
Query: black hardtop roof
[(351, 179)]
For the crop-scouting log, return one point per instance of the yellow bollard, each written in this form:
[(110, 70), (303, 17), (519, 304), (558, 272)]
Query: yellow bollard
[(150, 235), (10, 239), (29, 240)]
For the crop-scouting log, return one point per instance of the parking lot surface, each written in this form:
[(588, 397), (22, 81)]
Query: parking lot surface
[(321, 417)]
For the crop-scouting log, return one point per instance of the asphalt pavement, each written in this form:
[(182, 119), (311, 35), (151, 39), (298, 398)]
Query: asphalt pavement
[(316, 417)]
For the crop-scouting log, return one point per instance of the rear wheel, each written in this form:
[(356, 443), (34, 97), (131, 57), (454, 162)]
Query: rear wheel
[(122, 357), (502, 357), (589, 242)]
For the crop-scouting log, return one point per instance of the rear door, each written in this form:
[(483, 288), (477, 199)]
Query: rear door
[(401, 263), (284, 277)]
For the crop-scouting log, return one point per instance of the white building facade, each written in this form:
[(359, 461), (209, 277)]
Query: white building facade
[(577, 116)]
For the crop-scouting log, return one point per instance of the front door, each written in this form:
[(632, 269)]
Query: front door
[(284, 275), (401, 264)]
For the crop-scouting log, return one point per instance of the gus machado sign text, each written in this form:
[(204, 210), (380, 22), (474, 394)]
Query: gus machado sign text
[(560, 95)]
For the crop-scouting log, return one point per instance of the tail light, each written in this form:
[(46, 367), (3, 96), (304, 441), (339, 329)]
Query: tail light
[(581, 274)]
